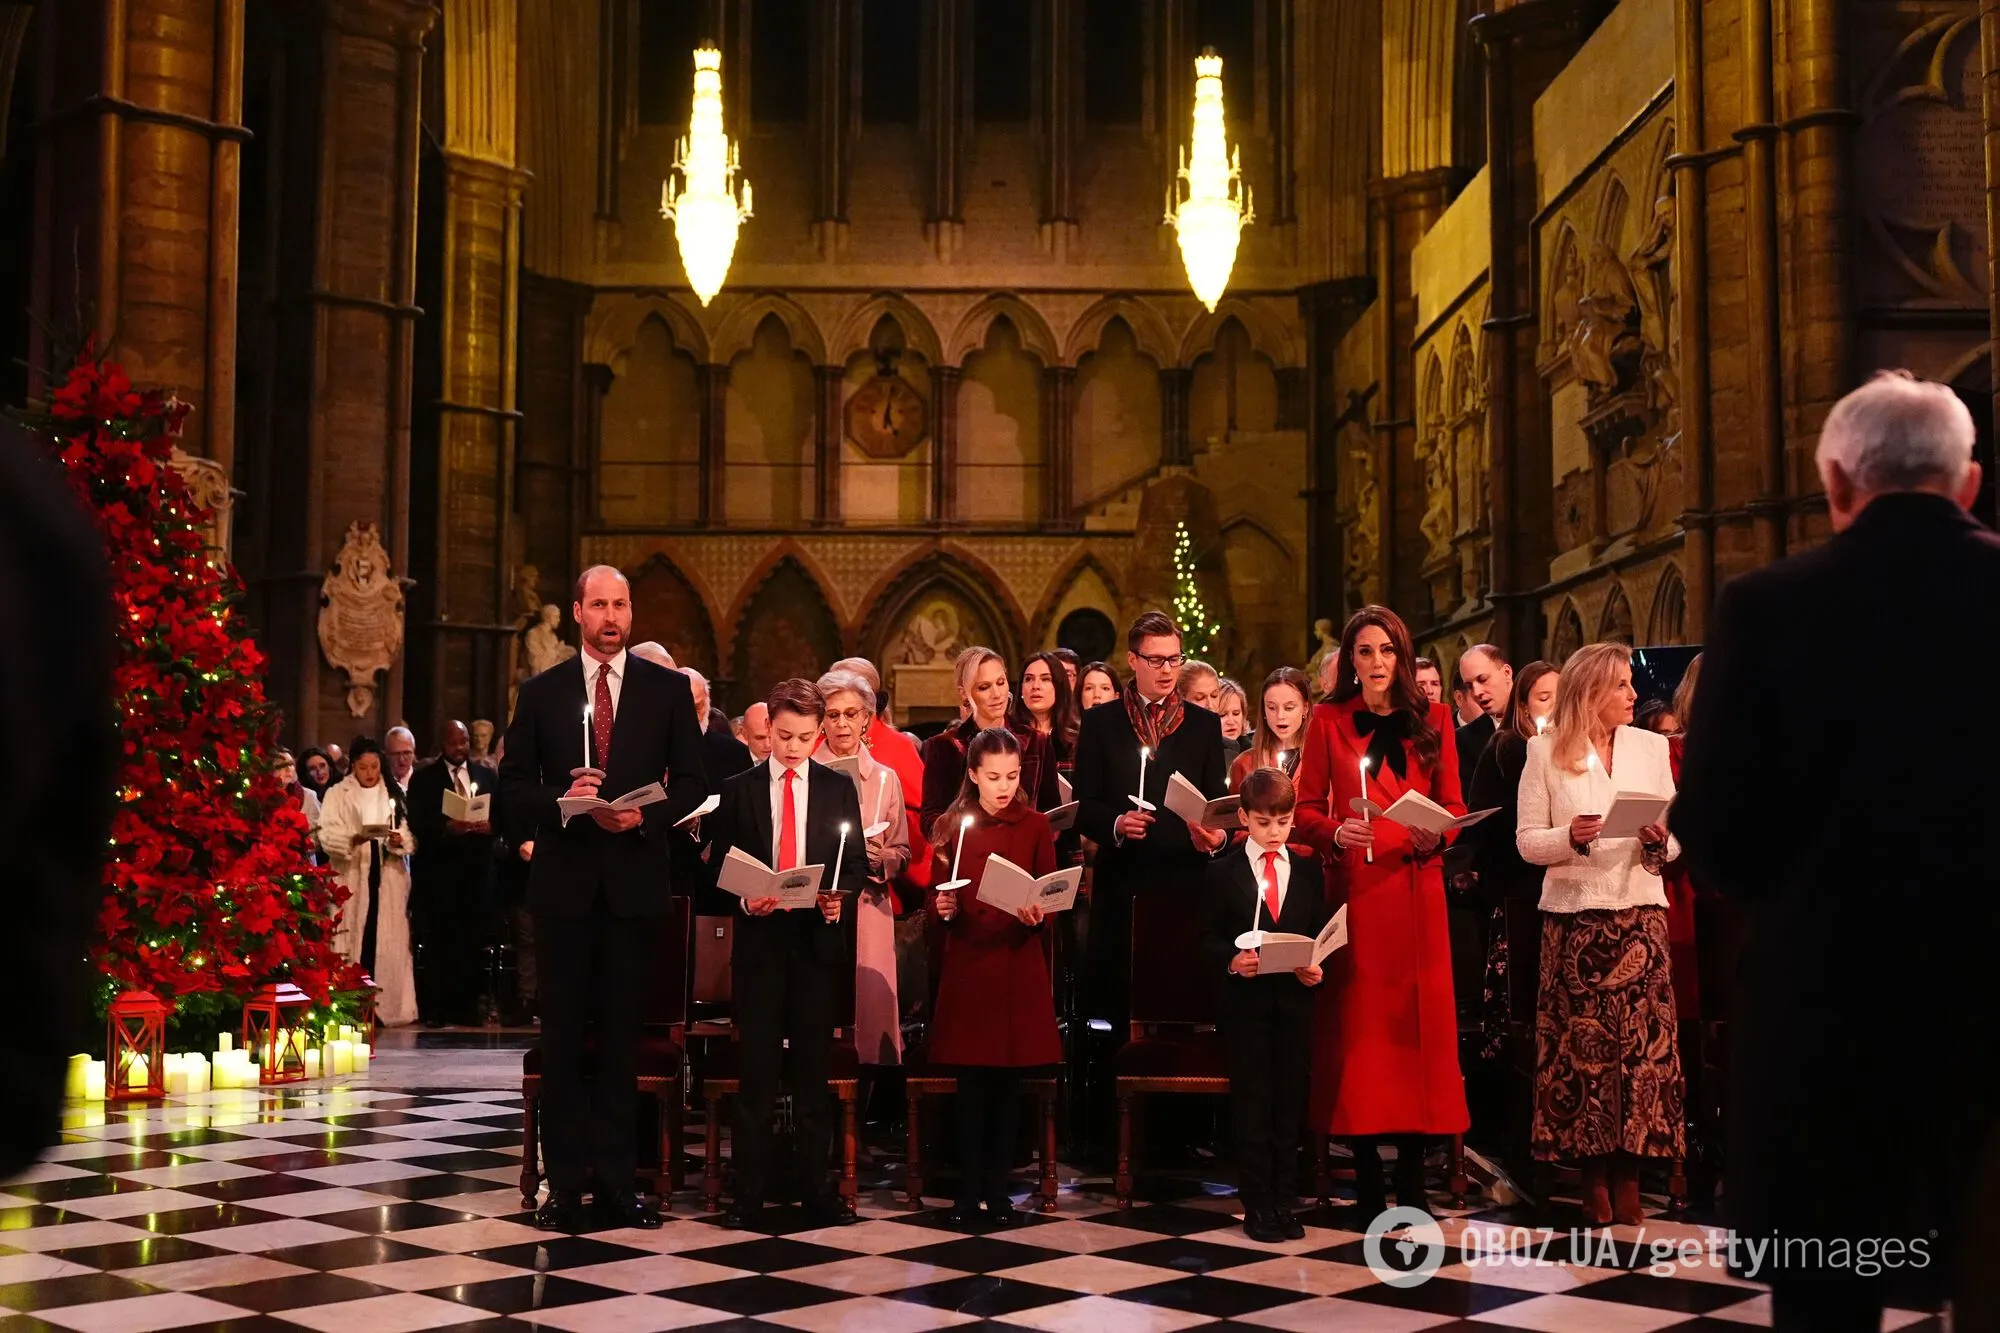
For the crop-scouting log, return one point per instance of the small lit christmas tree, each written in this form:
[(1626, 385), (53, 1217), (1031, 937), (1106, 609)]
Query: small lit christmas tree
[(209, 889), (1197, 631)]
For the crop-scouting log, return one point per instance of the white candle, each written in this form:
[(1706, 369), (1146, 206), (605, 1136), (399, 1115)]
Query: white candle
[(358, 1056), (839, 855), (1367, 816), (586, 735), (93, 1081), (177, 1076), (224, 1042), (312, 1062), (1141, 798), (138, 1074), (79, 1065), (963, 825), (1541, 725), (341, 1054)]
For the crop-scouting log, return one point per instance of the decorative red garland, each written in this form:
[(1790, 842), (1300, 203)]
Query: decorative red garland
[(209, 891)]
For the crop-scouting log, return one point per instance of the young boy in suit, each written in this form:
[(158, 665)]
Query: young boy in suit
[(1266, 1021), (788, 812)]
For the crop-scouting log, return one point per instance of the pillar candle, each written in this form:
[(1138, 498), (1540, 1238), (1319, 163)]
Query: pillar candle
[(312, 1062), (177, 1077), (93, 1081), (342, 1055), (79, 1065), (138, 1073), (199, 1078), (359, 1054), (224, 1042)]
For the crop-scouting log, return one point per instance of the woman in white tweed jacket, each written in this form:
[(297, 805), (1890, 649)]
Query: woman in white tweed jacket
[(1607, 1067)]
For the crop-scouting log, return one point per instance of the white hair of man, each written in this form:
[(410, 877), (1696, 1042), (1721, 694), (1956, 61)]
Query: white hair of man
[(1898, 433), (404, 732), (840, 679), (861, 667), (656, 653)]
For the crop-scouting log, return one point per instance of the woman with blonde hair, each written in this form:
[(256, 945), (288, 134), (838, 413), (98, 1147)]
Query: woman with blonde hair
[(1607, 1063), (1232, 705), (981, 677), (1284, 707)]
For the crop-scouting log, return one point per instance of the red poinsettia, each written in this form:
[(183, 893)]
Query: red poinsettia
[(209, 891)]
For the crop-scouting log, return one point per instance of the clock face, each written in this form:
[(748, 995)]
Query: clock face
[(886, 417)]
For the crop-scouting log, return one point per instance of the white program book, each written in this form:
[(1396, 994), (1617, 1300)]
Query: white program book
[(1064, 792), (1631, 811), (1415, 810), (650, 794), (848, 766), (467, 810), (750, 879), (1008, 887), (1063, 818), (1185, 799), (707, 807), (1280, 952)]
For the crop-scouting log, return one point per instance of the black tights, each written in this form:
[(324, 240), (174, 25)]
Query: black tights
[(989, 1113)]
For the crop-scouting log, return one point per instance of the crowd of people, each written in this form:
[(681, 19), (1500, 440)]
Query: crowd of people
[(1056, 762)]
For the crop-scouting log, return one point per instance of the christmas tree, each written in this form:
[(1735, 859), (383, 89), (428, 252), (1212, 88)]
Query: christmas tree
[(209, 889), (1197, 632)]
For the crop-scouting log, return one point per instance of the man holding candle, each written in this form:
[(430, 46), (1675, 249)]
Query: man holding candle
[(1126, 752), (598, 885), (789, 812)]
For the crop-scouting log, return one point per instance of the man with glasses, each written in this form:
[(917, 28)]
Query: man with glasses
[(1153, 851)]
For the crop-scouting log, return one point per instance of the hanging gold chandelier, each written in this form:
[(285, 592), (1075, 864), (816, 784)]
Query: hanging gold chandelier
[(1210, 219), (705, 210)]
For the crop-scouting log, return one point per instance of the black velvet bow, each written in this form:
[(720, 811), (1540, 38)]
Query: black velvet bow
[(1386, 734)]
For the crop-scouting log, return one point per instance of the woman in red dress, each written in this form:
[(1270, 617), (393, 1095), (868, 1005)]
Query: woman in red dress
[(1385, 1064), (996, 1014)]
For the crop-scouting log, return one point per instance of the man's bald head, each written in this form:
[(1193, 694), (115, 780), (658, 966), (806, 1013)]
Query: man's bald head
[(757, 731), (455, 743)]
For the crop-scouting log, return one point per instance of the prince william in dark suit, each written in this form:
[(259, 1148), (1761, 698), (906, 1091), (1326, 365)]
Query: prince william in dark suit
[(594, 880)]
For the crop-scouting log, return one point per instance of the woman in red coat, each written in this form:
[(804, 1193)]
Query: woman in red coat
[(996, 1014), (1386, 1061)]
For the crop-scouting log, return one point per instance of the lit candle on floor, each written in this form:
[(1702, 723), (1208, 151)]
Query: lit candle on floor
[(312, 1062), (93, 1081), (79, 1065), (358, 1056)]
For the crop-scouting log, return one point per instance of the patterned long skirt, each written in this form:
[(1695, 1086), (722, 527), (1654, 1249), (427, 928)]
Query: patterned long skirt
[(1607, 1066)]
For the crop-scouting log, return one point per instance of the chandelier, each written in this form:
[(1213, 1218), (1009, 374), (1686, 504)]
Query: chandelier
[(705, 210), (1212, 216)]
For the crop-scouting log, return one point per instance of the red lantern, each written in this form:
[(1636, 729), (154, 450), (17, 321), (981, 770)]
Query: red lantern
[(135, 1029), (364, 1018), (273, 1035)]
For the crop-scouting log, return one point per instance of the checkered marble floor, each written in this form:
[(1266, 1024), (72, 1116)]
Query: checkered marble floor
[(385, 1211)]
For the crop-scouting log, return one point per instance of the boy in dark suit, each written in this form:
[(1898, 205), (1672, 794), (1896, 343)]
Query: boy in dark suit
[(788, 812), (1266, 1021)]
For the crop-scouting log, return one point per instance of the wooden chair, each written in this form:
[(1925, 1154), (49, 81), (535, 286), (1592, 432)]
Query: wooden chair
[(662, 1057), (1173, 1047), (921, 1080), (843, 1081)]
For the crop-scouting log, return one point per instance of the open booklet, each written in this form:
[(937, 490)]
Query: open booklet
[(1185, 799), (707, 807), (1064, 792), (1280, 951), (467, 809), (1008, 887), (371, 832), (848, 766), (1415, 810), (750, 879), (572, 806), (1631, 811), (1063, 818)]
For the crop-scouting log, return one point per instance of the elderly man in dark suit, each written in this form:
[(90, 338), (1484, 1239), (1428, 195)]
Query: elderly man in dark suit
[(607, 722), (451, 880), (1862, 855)]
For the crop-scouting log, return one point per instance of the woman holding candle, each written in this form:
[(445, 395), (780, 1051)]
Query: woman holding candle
[(995, 1010), (364, 831), (1507, 884), (885, 840), (1047, 707), (981, 676), (1607, 1065), (1096, 684), (1284, 709), (1386, 1058)]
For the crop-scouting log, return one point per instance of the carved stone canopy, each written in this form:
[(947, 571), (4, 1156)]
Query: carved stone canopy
[(361, 615)]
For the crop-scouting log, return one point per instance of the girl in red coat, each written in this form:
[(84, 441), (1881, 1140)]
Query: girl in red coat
[(1386, 1055), (995, 1012)]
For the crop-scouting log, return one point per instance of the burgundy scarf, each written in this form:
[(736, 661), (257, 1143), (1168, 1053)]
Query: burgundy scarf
[(1141, 715)]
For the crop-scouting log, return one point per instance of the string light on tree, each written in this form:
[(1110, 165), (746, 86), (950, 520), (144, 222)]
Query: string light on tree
[(1197, 631), (1210, 220), (705, 210)]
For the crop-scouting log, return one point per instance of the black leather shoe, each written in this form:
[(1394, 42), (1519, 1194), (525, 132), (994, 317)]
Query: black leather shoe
[(617, 1208), (828, 1211), (562, 1212), (1289, 1223), (743, 1214), (965, 1214), (1261, 1225), (1003, 1214)]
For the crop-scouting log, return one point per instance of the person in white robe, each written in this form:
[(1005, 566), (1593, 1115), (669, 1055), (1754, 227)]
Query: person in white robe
[(364, 830)]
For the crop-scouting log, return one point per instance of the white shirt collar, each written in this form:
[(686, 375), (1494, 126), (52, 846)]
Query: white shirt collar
[(590, 665), (778, 769), (1255, 851)]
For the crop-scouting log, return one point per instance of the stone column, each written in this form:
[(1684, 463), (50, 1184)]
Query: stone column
[(465, 574), (714, 444), (944, 443), (1328, 310), (341, 326), (833, 29), (1058, 447), (946, 83), (137, 178), (1175, 450), (597, 381), (1061, 122), (1689, 165), (556, 429), (827, 430)]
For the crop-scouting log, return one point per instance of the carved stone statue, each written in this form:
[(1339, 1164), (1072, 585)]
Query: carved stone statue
[(543, 643), (361, 615), (1659, 331), (1329, 642), (1606, 350), (931, 636), (1434, 454), (527, 595), (208, 486), (482, 739)]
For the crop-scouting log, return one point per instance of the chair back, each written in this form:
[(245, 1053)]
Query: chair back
[(666, 999), (1168, 984), (713, 938)]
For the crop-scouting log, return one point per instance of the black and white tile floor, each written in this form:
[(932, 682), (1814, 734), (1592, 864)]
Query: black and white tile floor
[(383, 1211)]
